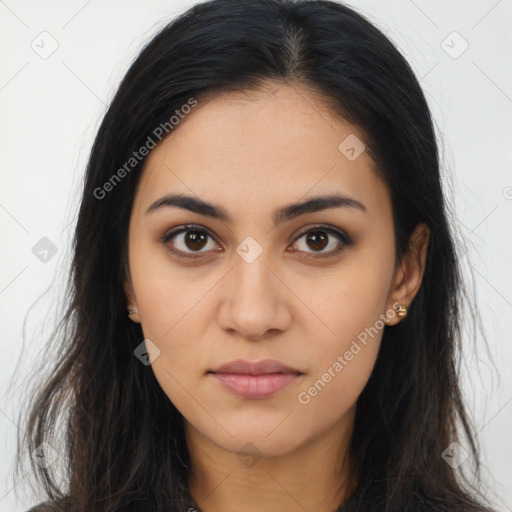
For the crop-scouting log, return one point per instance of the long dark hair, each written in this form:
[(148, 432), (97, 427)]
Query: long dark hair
[(122, 439)]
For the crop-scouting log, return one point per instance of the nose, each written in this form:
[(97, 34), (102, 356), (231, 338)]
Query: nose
[(254, 302)]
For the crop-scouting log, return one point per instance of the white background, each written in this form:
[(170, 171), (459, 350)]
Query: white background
[(51, 109)]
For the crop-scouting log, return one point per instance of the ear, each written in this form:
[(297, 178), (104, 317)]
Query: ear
[(131, 301), (409, 274)]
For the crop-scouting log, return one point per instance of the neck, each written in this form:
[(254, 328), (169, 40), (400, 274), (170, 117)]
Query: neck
[(314, 476)]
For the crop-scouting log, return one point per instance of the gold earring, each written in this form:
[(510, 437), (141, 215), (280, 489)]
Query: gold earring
[(401, 311)]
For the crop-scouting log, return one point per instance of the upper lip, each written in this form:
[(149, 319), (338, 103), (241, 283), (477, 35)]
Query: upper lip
[(263, 367)]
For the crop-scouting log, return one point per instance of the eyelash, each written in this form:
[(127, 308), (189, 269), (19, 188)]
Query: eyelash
[(343, 237)]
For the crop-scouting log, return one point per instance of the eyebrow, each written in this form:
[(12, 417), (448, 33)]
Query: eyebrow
[(286, 213)]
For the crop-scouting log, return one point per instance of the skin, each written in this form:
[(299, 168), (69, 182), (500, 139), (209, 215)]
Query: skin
[(251, 153)]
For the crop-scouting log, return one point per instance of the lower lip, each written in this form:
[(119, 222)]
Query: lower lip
[(255, 386)]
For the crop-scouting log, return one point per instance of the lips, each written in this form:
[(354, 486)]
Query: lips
[(253, 380), (255, 368)]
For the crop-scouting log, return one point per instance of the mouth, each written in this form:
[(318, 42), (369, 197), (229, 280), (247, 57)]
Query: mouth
[(260, 379), (264, 367)]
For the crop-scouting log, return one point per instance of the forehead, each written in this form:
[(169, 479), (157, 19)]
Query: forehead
[(258, 150)]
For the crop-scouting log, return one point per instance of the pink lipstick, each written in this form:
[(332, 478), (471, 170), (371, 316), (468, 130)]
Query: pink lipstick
[(259, 379)]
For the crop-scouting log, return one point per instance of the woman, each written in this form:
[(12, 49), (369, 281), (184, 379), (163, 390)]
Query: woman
[(265, 296)]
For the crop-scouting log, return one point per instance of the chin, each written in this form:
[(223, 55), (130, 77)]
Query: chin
[(252, 435), (251, 444)]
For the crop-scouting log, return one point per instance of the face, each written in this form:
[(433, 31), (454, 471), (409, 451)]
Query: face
[(249, 278)]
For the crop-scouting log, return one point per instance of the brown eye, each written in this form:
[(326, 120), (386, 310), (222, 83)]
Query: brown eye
[(195, 240), (320, 238), (188, 240), (317, 240)]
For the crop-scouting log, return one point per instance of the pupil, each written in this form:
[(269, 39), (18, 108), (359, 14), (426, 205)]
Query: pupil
[(194, 237), (317, 237)]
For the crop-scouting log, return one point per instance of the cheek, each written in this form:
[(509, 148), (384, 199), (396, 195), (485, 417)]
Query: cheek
[(180, 365), (343, 363), (166, 293), (350, 302), (170, 305), (352, 307), (175, 322)]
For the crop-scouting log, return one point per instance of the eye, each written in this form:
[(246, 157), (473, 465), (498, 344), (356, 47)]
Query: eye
[(320, 237), (189, 237), (192, 239)]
